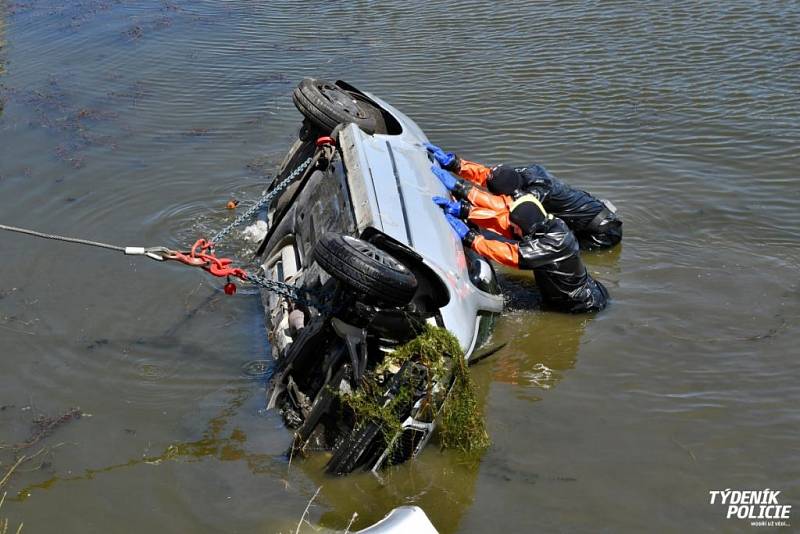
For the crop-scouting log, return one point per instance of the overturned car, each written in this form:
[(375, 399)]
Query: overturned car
[(357, 229)]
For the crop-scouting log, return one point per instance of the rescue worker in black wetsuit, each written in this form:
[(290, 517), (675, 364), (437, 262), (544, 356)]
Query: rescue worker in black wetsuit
[(543, 243), (594, 221)]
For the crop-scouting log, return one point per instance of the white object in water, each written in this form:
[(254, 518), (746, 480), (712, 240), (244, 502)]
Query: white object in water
[(403, 519)]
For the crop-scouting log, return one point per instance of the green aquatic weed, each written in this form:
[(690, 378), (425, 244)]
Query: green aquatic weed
[(462, 425), (437, 351)]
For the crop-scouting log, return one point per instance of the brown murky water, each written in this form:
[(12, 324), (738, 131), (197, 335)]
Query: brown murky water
[(133, 122)]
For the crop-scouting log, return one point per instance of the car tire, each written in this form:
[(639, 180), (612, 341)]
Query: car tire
[(365, 268), (348, 455), (327, 105)]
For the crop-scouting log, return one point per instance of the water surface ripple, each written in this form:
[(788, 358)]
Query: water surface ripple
[(134, 122)]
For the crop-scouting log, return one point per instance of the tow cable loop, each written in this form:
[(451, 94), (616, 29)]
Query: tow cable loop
[(202, 252)]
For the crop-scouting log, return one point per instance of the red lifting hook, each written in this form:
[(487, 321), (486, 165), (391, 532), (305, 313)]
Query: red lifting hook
[(201, 256)]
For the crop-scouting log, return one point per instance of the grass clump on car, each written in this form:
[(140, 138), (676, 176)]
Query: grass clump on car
[(436, 353), (462, 425)]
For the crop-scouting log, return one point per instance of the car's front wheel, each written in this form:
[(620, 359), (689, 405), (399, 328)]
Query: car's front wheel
[(365, 268)]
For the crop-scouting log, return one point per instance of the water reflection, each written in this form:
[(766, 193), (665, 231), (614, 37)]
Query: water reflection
[(541, 345), (150, 114), (539, 348), (442, 482)]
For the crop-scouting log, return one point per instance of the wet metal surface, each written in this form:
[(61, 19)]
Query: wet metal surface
[(134, 122)]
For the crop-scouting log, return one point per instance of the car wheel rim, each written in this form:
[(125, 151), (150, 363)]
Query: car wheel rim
[(376, 254)]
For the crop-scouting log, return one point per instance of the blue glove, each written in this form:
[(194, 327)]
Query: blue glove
[(458, 225), (453, 207), (445, 177), (445, 159)]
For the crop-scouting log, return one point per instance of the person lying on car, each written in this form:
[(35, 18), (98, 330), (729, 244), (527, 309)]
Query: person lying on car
[(594, 221), (534, 239)]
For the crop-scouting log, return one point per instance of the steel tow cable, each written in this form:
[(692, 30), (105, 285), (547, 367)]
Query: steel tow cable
[(156, 253), (202, 252), (61, 238)]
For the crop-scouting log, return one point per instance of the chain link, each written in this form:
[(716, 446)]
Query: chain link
[(266, 199), (291, 292)]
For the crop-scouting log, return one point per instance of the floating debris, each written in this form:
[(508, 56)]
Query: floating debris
[(215, 442), (4, 522), (137, 31), (43, 426), (134, 33)]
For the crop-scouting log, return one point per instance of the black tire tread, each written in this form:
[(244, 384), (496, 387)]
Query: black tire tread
[(325, 112), (318, 110), (374, 280), (348, 453), (312, 113), (357, 277), (331, 115)]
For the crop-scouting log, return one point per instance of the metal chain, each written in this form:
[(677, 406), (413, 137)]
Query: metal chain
[(291, 292), (266, 199)]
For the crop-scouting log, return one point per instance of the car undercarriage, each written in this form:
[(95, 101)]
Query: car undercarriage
[(344, 232)]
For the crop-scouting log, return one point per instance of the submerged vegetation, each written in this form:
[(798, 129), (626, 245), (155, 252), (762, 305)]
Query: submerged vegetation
[(4, 521), (43, 426), (438, 353), (217, 441)]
